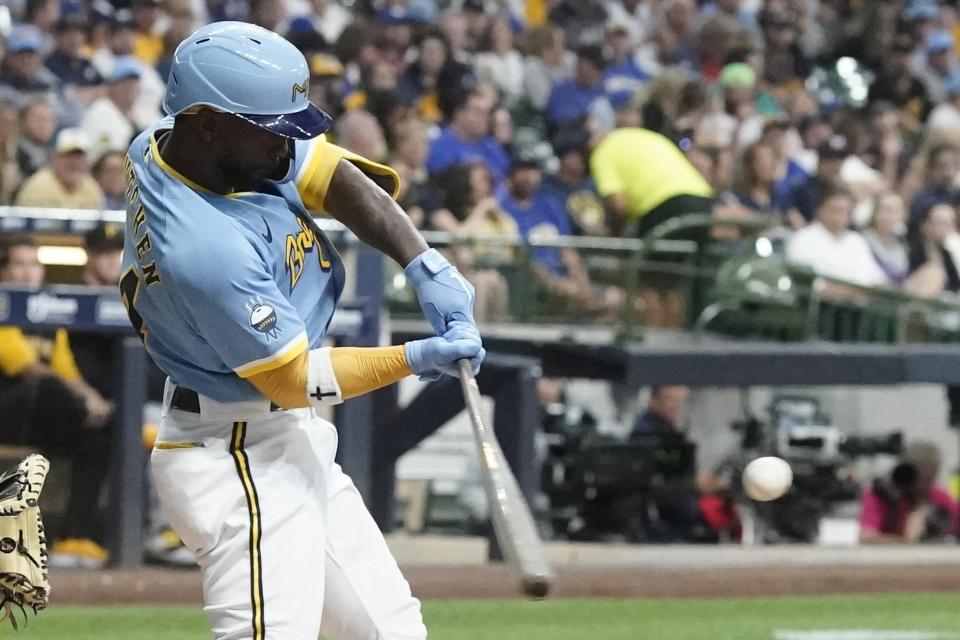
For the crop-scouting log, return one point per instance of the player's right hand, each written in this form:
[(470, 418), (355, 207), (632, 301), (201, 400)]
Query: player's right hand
[(432, 357)]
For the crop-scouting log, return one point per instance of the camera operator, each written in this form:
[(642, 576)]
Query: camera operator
[(697, 506), (908, 506)]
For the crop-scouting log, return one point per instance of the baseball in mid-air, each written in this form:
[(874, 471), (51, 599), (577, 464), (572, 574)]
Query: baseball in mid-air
[(767, 478)]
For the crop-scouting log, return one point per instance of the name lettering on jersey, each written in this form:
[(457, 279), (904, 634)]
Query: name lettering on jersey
[(143, 245), (296, 247), (139, 212), (138, 219), (150, 274)]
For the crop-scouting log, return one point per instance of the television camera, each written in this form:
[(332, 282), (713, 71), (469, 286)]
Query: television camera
[(821, 457)]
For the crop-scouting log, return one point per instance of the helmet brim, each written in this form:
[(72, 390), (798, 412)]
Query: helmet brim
[(301, 125)]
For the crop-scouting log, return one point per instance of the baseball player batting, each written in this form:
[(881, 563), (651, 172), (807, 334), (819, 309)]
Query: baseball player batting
[(232, 289)]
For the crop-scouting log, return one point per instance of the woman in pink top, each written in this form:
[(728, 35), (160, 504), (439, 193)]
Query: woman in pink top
[(908, 506)]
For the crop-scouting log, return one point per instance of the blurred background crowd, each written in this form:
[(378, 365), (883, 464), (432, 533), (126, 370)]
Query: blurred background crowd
[(522, 116)]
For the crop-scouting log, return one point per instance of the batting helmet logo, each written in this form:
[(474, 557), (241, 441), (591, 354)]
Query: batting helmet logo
[(299, 89)]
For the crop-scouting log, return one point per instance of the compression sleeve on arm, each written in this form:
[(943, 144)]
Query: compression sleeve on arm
[(313, 178), (327, 376)]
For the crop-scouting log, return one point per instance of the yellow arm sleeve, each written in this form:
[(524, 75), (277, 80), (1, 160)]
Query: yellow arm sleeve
[(16, 354), (358, 370), (61, 358), (314, 178)]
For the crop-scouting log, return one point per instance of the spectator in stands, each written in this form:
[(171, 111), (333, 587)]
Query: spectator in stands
[(780, 135), (736, 12), (68, 61), (38, 122), (635, 15), (327, 83), (711, 154), (561, 271), (433, 71), (782, 59), (623, 77), (467, 138), (547, 63), (411, 145), (499, 62), (757, 177), (896, 83), (571, 100), (738, 82), (943, 169), (887, 143), (831, 249), (804, 198), (571, 186), (909, 506), (715, 38), (582, 21), (108, 172), (945, 117), (46, 403), (360, 132), (67, 182), (645, 180), (118, 43), (326, 17), (109, 121), (475, 20), (269, 14), (9, 136), (121, 46), (471, 210), (941, 61), (933, 269), (22, 69), (885, 235), (42, 15)]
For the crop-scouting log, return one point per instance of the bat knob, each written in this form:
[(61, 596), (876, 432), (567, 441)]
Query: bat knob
[(536, 586)]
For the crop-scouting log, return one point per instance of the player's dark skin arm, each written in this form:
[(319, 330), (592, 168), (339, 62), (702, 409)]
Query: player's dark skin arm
[(370, 212)]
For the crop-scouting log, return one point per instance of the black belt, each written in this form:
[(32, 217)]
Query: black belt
[(187, 400)]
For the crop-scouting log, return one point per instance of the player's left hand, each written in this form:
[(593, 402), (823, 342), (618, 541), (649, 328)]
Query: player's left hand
[(432, 357), (444, 294)]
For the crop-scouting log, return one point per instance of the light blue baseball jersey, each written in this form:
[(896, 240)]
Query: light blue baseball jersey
[(222, 287)]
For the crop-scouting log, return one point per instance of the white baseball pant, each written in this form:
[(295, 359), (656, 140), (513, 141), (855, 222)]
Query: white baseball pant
[(287, 549)]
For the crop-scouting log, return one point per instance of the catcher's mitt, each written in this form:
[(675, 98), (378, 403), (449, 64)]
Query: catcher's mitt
[(24, 581)]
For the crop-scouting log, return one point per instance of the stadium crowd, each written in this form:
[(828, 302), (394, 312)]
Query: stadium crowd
[(555, 117)]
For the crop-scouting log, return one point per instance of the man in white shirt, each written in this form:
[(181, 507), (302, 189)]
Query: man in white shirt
[(830, 248), (108, 121)]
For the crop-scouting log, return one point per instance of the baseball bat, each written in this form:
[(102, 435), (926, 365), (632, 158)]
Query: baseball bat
[(512, 521)]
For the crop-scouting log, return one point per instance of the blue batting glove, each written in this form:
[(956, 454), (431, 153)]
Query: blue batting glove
[(444, 294), (432, 357)]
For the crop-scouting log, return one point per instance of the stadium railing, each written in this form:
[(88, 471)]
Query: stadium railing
[(741, 286)]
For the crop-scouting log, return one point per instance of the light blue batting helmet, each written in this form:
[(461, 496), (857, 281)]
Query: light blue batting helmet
[(248, 71)]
